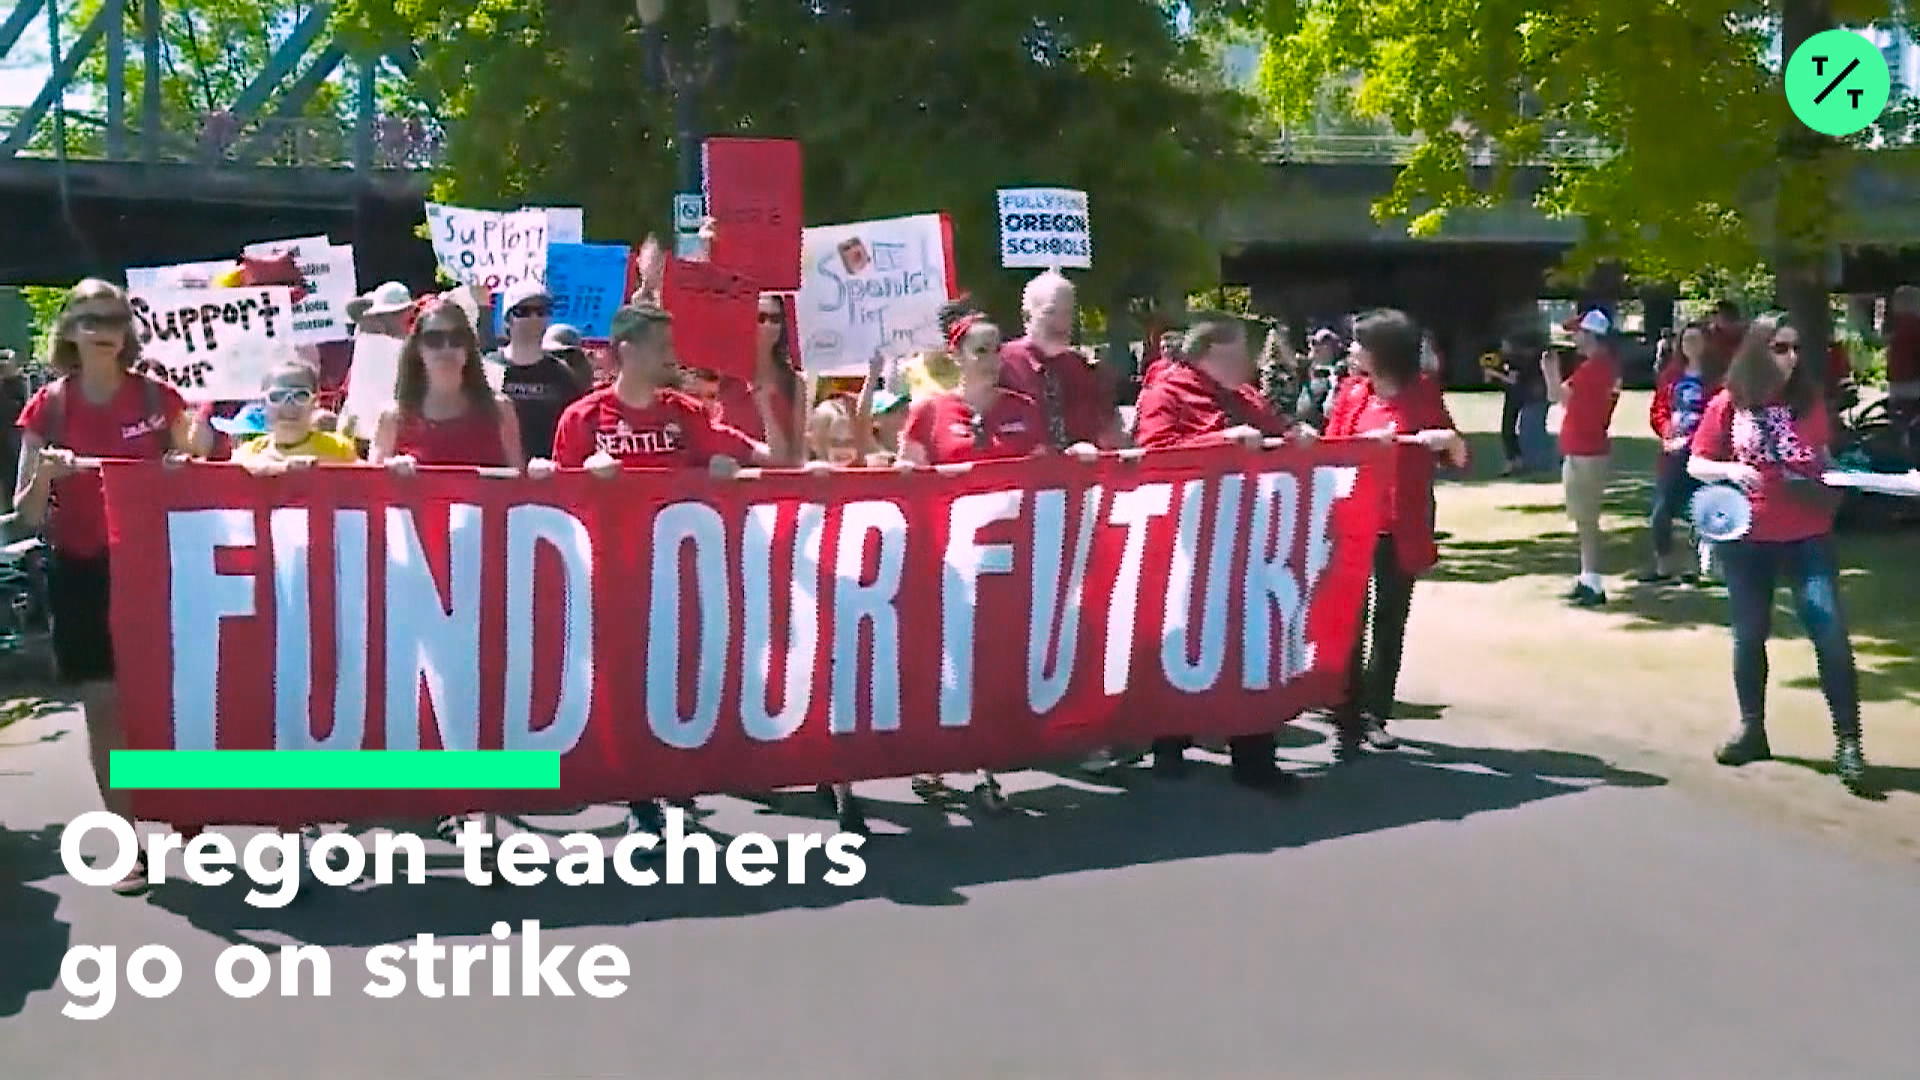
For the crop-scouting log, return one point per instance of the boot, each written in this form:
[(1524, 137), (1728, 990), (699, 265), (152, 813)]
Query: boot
[(1746, 746), (1850, 764)]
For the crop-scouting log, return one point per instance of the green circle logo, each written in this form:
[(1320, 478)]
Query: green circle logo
[(1837, 82)]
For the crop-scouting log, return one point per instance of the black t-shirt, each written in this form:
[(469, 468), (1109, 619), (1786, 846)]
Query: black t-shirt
[(540, 392)]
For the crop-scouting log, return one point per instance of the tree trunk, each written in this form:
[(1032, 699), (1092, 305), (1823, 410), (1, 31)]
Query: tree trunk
[(1804, 207)]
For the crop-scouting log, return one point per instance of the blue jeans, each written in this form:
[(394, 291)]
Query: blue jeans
[(1752, 569), (1672, 492)]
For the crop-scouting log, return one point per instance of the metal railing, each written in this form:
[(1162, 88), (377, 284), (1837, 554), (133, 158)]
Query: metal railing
[(1313, 148), (398, 143)]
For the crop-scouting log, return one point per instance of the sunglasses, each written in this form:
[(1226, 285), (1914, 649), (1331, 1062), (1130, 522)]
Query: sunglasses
[(1783, 348), (93, 321), (443, 339), (530, 311), (770, 318), (290, 396)]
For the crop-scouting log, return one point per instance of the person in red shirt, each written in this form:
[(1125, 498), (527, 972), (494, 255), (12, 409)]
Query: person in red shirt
[(1207, 397), (1768, 433), (738, 399), (1166, 354), (1586, 399), (1044, 366), (1389, 398), (100, 407), (445, 412), (642, 421)]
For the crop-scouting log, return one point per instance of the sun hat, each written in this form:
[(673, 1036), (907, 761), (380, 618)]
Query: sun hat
[(389, 299)]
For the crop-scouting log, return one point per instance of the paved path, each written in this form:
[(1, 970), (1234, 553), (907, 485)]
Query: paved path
[(1469, 908)]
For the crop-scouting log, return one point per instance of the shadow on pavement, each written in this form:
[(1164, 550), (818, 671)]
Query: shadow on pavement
[(1049, 831), (32, 940)]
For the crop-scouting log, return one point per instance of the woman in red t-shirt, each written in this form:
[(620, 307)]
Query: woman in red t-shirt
[(1768, 432), (445, 413), (976, 421), (1388, 399), (99, 408)]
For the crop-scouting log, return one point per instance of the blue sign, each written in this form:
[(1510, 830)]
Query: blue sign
[(587, 283)]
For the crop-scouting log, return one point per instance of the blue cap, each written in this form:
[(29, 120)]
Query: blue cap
[(885, 401), (251, 420)]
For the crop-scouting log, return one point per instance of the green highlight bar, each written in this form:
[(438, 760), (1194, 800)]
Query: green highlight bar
[(334, 770)]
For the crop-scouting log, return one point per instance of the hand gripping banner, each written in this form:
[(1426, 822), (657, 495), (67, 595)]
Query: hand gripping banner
[(672, 634)]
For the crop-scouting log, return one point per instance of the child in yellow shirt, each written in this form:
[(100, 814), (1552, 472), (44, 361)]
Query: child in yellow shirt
[(292, 440)]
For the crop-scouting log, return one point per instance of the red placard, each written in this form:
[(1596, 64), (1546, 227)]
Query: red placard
[(669, 634), (715, 312), (754, 193)]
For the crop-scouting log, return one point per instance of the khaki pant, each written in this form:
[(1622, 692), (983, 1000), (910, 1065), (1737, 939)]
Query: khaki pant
[(1585, 480)]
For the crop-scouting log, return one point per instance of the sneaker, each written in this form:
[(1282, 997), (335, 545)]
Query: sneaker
[(136, 881), (1653, 577), (1850, 764), (1584, 597), (1744, 748), (1377, 736)]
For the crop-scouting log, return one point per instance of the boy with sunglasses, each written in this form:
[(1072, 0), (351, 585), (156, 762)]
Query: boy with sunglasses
[(291, 439)]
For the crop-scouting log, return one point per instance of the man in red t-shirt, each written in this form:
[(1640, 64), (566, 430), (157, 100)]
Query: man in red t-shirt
[(1586, 399), (1044, 365), (1207, 397), (640, 421)]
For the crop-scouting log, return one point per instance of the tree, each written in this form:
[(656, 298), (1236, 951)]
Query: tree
[(1704, 168), (903, 106)]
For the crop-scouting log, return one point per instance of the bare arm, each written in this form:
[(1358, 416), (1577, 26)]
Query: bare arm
[(385, 433), (33, 481), (913, 453)]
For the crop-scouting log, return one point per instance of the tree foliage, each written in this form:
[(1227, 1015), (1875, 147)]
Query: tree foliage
[(1705, 170), (903, 106)]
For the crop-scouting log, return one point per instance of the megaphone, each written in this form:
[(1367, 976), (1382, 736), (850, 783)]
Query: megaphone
[(1721, 513)]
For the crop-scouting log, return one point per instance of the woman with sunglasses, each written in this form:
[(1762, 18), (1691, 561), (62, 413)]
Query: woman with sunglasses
[(445, 413), (1769, 433), (292, 439), (100, 407), (977, 421), (539, 384)]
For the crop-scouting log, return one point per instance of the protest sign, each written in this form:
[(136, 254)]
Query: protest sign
[(873, 285), (587, 283), (214, 344), (754, 197), (321, 315), (194, 275), (714, 316), (370, 382), (489, 247), (565, 224), (1045, 227), (678, 635)]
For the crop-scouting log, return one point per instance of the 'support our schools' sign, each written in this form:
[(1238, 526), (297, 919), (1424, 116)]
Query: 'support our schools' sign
[(671, 635), (872, 285), (214, 344), (321, 315), (1045, 227), (489, 247)]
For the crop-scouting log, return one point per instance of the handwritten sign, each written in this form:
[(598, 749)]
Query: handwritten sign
[(321, 315), (754, 197), (1045, 227), (488, 247), (587, 282), (214, 344), (713, 312), (873, 285), (370, 382)]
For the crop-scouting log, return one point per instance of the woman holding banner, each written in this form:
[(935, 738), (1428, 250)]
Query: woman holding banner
[(445, 412), (1388, 399), (99, 408)]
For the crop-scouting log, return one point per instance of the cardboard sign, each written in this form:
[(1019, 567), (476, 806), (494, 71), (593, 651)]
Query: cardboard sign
[(587, 283), (487, 247), (714, 312), (370, 382), (873, 285), (1045, 227), (214, 344), (754, 198), (321, 315)]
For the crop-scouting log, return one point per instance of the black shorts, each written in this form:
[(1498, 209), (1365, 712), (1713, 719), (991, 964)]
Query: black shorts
[(78, 592)]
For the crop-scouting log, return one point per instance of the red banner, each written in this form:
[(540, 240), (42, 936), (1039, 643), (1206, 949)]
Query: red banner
[(715, 316), (672, 635), (754, 189)]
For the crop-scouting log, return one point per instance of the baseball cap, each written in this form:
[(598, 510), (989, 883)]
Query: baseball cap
[(522, 291), (1593, 321), (560, 337), (251, 420)]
